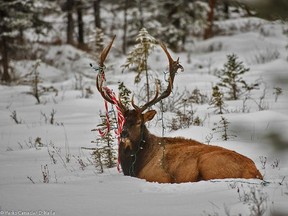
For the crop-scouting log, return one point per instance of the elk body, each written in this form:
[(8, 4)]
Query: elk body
[(171, 160)]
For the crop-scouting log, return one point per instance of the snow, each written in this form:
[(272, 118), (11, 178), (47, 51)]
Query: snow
[(76, 190)]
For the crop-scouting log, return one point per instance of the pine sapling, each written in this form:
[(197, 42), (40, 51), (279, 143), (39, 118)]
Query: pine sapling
[(222, 128), (231, 77), (224, 123), (104, 153), (139, 57), (217, 101)]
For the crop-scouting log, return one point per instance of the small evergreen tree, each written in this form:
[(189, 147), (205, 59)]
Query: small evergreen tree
[(217, 101), (139, 57), (231, 79), (104, 153), (222, 128), (224, 124)]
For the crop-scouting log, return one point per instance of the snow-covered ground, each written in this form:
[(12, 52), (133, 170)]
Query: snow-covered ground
[(75, 187)]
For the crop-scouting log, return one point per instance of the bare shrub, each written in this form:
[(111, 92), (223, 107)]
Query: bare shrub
[(263, 161), (185, 100), (45, 173), (184, 120), (34, 79), (257, 201), (15, 118), (267, 55)]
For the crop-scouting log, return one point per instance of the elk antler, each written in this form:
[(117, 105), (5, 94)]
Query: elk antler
[(104, 91), (173, 68), (105, 52)]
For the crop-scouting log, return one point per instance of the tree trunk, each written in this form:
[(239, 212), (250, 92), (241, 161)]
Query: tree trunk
[(97, 15), (234, 92), (141, 19), (226, 9), (80, 25), (124, 45), (208, 32), (147, 76), (70, 21), (5, 61), (183, 40)]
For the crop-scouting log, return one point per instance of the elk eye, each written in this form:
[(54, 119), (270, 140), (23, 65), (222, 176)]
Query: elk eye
[(138, 122)]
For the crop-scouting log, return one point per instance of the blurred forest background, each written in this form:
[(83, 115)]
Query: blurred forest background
[(86, 23)]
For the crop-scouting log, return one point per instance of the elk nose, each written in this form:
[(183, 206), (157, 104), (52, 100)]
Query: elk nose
[(124, 134)]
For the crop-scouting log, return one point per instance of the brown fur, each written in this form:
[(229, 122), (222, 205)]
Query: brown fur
[(176, 160), (190, 161)]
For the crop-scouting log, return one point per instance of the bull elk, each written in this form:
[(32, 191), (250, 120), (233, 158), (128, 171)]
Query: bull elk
[(170, 160)]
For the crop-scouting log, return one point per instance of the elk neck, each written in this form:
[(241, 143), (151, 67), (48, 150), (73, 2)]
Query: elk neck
[(142, 150)]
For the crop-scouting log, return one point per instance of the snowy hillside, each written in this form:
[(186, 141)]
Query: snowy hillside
[(45, 171)]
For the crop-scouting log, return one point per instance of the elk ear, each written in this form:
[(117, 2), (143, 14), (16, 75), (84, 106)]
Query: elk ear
[(149, 115)]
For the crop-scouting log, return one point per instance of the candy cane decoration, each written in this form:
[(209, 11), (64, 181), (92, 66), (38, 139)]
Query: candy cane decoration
[(111, 95)]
